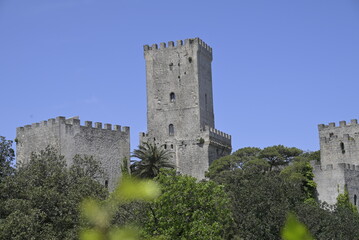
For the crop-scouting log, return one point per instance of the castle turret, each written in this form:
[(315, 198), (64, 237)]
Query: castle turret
[(339, 166), (180, 112)]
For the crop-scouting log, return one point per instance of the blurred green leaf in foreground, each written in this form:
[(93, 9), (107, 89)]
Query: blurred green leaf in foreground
[(295, 230), (100, 214)]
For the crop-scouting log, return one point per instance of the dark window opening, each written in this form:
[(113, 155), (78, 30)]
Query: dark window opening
[(205, 102), (154, 139), (106, 184), (172, 146), (165, 146), (189, 59), (179, 64), (355, 199), (179, 77), (342, 147), (171, 66), (171, 130), (331, 134), (172, 97)]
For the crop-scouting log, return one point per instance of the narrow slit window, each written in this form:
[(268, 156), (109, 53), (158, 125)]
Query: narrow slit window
[(171, 130), (205, 102), (106, 184), (342, 147), (355, 199), (172, 97)]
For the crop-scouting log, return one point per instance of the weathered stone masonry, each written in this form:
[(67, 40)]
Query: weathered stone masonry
[(180, 117), (339, 167), (180, 112), (109, 145)]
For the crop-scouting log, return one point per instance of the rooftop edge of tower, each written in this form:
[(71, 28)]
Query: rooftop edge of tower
[(179, 44)]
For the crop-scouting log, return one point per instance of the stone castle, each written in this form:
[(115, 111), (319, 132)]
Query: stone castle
[(339, 167), (180, 105), (180, 118), (110, 145)]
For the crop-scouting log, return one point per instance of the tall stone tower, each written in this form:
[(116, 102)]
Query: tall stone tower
[(339, 167), (180, 105)]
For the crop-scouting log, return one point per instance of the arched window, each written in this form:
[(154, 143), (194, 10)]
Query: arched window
[(171, 130), (355, 199), (172, 97), (342, 147)]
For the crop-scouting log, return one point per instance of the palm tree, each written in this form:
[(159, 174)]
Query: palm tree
[(152, 159)]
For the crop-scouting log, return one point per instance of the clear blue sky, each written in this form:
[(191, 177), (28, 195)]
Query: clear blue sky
[(280, 67)]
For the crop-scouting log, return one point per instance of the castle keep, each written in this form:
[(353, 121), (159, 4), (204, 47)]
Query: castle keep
[(180, 105), (180, 118), (339, 168), (109, 145)]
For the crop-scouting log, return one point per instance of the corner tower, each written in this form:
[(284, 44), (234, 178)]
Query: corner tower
[(339, 167), (180, 105)]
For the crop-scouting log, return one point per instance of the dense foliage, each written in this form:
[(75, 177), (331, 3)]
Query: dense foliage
[(7, 156), (264, 188), (247, 195), (40, 201), (188, 209)]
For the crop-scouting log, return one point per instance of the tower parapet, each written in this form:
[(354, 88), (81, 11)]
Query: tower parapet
[(219, 137), (107, 143), (179, 43), (190, 42), (74, 123), (339, 143)]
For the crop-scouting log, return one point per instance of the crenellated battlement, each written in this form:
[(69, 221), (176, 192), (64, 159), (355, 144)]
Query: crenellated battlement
[(341, 166), (343, 132), (179, 43), (353, 122), (107, 143), (218, 136), (74, 122)]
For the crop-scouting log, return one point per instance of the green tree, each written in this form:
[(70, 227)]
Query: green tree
[(344, 202), (329, 222), (279, 155), (260, 201), (7, 156), (41, 199), (301, 173), (240, 159), (152, 159), (188, 209)]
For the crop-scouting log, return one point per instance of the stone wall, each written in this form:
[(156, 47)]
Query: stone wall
[(339, 166), (180, 97), (108, 144), (339, 144), (332, 180), (193, 156)]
